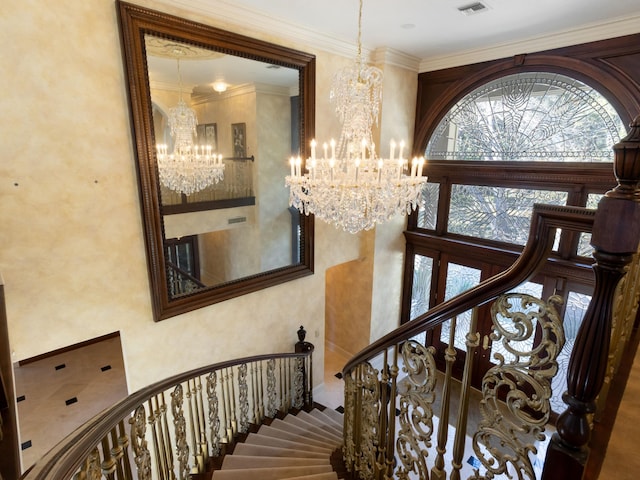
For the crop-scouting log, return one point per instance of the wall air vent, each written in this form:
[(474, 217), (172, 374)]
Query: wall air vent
[(231, 221), (472, 8)]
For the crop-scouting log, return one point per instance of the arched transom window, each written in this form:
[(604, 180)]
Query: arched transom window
[(529, 117)]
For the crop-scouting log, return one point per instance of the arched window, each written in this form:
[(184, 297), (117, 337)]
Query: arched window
[(499, 137), (531, 116)]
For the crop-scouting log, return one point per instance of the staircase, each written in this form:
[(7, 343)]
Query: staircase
[(294, 447)]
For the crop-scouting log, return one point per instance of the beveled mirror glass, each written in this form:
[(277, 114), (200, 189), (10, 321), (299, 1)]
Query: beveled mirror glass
[(233, 232)]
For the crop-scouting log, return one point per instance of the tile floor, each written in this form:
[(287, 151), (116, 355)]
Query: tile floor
[(59, 393)]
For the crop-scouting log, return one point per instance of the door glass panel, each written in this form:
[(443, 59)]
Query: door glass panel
[(529, 288), (421, 293), (497, 213), (584, 244), (428, 211), (460, 278), (577, 304)]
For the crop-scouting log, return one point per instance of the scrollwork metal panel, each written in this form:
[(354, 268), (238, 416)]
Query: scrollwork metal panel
[(139, 443), (214, 415), (272, 408), (180, 425), (508, 431), (416, 410), (369, 421), (298, 383), (243, 398)]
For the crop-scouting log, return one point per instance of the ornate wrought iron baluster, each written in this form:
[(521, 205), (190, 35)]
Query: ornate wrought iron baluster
[(90, 469), (391, 435), (506, 436), (180, 426), (271, 388), (233, 405), (155, 436), (243, 399), (123, 442), (348, 448), (416, 411), (138, 438), (214, 414), (108, 464), (193, 423), (165, 436), (370, 387), (438, 471), (298, 383), (473, 341)]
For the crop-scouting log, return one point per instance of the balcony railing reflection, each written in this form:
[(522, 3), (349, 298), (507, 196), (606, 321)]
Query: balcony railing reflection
[(234, 190)]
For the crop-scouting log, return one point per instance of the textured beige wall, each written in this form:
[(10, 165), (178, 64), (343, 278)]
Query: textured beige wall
[(396, 122), (348, 300), (72, 249)]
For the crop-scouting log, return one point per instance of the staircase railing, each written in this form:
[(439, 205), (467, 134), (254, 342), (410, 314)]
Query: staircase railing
[(402, 419), (173, 429), (397, 415)]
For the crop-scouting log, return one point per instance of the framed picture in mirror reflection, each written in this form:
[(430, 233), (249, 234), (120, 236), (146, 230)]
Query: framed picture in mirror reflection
[(208, 135), (239, 133)]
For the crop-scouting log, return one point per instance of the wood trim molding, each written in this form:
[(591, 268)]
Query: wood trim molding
[(610, 66)]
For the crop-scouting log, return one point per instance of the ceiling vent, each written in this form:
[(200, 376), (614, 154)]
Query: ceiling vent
[(472, 8)]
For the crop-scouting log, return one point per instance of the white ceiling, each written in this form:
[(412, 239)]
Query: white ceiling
[(429, 31)]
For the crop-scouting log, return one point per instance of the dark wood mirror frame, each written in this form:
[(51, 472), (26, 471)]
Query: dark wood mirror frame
[(137, 21)]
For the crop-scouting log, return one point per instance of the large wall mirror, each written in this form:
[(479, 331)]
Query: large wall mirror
[(215, 117)]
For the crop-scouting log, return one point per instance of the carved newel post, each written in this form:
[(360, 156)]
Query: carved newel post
[(305, 347), (616, 231)]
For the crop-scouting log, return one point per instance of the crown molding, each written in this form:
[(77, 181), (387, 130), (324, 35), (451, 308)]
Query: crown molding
[(389, 56), (266, 26), (227, 14), (589, 33)]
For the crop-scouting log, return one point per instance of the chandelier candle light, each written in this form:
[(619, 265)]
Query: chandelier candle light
[(349, 186), (357, 191), (190, 167)]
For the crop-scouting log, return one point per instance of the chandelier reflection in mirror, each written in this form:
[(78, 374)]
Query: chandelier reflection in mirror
[(348, 185), (190, 167)]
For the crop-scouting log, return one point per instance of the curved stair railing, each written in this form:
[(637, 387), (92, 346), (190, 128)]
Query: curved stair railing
[(401, 418), (395, 407), (175, 428)]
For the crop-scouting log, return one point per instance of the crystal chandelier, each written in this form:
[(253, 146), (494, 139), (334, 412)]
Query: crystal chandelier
[(348, 185), (190, 167)]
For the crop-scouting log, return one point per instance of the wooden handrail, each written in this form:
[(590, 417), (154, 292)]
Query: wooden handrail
[(64, 459), (546, 219)]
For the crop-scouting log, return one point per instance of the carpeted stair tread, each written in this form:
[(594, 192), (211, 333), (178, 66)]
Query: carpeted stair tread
[(270, 473), (255, 439), (310, 431), (317, 476), (265, 451), (327, 418), (312, 419), (234, 462), (298, 437), (335, 415), (297, 448), (302, 422)]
